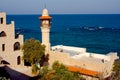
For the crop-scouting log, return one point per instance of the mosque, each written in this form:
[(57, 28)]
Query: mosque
[(92, 66)]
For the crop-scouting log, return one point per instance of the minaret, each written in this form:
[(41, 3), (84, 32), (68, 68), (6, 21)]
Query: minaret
[(45, 29)]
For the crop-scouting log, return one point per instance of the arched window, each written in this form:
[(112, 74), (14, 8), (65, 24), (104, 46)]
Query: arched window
[(18, 60), (2, 34), (16, 46)]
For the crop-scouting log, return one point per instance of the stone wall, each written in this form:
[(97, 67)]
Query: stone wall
[(100, 66)]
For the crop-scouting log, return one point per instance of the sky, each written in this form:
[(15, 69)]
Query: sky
[(60, 6)]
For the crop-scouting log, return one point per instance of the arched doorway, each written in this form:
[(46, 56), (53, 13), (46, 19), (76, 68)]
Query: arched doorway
[(18, 60)]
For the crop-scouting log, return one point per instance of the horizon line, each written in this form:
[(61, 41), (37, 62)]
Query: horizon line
[(69, 14)]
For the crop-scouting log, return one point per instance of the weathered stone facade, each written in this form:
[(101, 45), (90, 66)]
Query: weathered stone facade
[(10, 43)]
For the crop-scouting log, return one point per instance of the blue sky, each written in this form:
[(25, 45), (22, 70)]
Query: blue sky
[(61, 6)]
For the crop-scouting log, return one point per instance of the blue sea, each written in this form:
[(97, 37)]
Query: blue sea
[(99, 33)]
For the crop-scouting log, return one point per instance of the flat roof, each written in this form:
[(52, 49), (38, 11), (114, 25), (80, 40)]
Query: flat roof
[(91, 59), (69, 49), (81, 54)]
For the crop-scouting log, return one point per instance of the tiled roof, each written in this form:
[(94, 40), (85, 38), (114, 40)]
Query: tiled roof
[(84, 71)]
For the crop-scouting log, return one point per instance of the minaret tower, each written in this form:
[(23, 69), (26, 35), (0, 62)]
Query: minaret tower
[(45, 29)]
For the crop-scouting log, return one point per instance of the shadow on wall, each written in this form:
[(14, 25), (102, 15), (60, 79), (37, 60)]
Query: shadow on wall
[(15, 75), (3, 74), (5, 62)]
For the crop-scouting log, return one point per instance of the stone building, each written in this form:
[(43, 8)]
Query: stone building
[(10, 43), (91, 65)]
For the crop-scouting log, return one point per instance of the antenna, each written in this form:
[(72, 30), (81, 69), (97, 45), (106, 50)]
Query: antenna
[(45, 6)]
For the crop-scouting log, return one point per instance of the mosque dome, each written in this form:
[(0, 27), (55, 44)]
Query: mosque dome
[(45, 12)]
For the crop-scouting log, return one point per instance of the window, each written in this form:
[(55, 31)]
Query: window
[(1, 20), (2, 34), (18, 60), (16, 46), (3, 47)]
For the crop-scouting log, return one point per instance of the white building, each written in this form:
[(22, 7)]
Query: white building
[(99, 64), (10, 44)]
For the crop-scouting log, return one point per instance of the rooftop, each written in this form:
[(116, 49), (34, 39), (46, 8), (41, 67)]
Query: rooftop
[(80, 53), (92, 60)]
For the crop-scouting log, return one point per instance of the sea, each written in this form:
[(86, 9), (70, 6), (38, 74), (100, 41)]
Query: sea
[(99, 33)]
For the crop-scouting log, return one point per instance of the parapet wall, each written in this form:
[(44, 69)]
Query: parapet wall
[(2, 18), (92, 55), (58, 56), (113, 55), (69, 48), (89, 61)]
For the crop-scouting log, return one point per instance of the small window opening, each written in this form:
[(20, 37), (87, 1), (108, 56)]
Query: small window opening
[(18, 60), (1, 20), (3, 47)]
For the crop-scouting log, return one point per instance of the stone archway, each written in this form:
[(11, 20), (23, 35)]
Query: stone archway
[(18, 60)]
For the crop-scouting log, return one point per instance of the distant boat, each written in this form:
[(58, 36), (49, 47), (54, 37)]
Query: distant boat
[(84, 28)]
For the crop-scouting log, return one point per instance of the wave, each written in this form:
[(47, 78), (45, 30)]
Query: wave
[(90, 28), (21, 31)]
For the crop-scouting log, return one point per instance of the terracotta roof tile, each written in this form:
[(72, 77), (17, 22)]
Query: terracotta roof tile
[(84, 71), (45, 17)]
